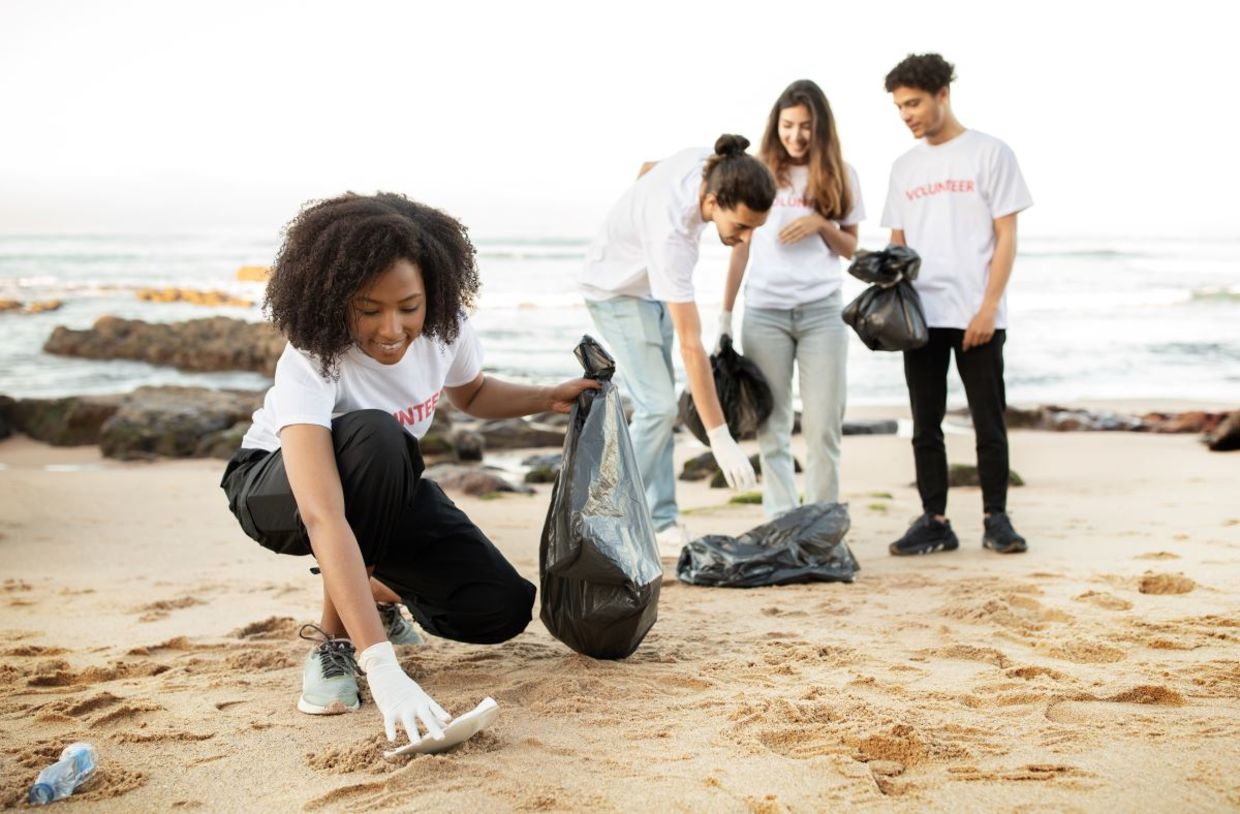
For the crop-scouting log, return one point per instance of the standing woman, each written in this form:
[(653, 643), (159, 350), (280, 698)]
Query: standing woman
[(372, 292), (793, 300), (638, 286)]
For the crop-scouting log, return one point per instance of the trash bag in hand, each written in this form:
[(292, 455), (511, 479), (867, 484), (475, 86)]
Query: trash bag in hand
[(599, 563), (743, 392), (888, 315), (804, 545)]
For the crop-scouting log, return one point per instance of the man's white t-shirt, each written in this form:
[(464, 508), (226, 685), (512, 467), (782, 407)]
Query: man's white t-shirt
[(787, 276), (648, 245), (946, 197), (409, 389)]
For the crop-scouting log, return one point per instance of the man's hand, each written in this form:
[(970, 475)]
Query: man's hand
[(737, 470), (563, 395), (802, 228), (981, 328), (725, 328)]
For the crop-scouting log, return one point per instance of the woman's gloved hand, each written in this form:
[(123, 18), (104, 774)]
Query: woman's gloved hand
[(399, 697)]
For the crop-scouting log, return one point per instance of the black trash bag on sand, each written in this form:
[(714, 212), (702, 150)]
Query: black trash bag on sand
[(888, 315), (804, 545), (743, 392), (598, 563)]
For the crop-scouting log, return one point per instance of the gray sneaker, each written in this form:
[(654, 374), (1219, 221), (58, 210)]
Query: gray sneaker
[(399, 630), (329, 679)]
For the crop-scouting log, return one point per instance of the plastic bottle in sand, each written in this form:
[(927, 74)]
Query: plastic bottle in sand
[(62, 778)]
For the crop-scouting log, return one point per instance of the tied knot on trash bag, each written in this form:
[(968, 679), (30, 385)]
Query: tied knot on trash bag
[(803, 545), (888, 315), (598, 562), (743, 392)]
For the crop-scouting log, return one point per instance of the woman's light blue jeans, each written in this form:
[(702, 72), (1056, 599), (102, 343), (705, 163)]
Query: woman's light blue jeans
[(639, 335), (815, 337)]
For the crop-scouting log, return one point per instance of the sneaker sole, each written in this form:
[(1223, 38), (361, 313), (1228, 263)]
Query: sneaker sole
[(947, 545), (1016, 548), (336, 707)]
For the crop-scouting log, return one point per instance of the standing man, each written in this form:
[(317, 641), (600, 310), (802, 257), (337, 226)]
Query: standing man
[(638, 286), (954, 199)]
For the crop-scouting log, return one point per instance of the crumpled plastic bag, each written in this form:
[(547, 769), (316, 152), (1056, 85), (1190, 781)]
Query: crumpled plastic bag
[(743, 392), (888, 315), (598, 562), (804, 545)]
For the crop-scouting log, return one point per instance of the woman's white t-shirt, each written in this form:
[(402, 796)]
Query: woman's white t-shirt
[(409, 389), (789, 275), (648, 245)]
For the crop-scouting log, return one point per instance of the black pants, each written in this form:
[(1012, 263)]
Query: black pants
[(455, 582), (981, 371)]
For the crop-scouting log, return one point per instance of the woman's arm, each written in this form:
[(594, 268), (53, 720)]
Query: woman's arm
[(841, 239), (489, 397), (310, 462)]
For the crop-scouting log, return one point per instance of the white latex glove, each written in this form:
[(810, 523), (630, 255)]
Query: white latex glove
[(399, 697), (737, 470), (725, 328)]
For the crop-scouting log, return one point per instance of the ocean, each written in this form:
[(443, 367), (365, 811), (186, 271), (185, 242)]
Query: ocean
[(1089, 318)]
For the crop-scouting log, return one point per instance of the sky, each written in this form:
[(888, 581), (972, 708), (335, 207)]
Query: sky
[(529, 119)]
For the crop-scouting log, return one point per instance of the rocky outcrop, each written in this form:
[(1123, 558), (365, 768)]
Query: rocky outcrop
[(253, 274), (1226, 436), (211, 344), (1066, 419), (518, 433), (191, 295), (19, 307), (64, 422), (966, 475), (882, 426), (472, 480), (178, 422)]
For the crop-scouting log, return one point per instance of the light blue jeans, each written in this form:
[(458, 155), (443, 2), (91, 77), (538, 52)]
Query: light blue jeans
[(639, 335), (815, 337)]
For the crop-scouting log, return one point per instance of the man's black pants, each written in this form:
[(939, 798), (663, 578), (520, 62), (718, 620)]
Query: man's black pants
[(454, 581), (981, 371)]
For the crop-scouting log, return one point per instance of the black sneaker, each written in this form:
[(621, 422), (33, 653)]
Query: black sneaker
[(1001, 537), (925, 536)]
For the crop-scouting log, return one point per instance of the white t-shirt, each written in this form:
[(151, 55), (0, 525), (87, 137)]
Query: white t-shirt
[(786, 276), (648, 245), (946, 197), (409, 389)]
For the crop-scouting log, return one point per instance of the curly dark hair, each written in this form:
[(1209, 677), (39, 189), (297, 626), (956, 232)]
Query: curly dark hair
[(928, 72), (335, 248)]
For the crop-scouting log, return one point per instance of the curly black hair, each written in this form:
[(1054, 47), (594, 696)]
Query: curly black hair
[(335, 248), (928, 72)]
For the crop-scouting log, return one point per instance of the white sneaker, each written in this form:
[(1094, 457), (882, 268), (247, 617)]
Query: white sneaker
[(671, 541)]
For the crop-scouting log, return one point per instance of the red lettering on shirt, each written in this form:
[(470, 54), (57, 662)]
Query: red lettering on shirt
[(417, 413), (939, 187)]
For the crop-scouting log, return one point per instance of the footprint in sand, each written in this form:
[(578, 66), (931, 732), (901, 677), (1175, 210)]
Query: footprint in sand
[(1104, 600), (155, 611), (1157, 555), (1159, 584), (1141, 700)]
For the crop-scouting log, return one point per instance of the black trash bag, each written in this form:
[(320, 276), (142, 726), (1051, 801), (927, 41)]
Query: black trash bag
[(598, 563), (888, 315), (743, 392), (804, 545)]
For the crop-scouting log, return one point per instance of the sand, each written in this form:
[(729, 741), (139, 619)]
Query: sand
[(1100, 671)]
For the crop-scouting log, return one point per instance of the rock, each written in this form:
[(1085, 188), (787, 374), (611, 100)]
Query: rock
[(472, 480), (517, 433), (5, 432), (1194, 421), (467, 444), (1226, 436), (174, 421), (966, 475), (548, 459), (64, 422), (191, 295), (882, 426), (10, 305), (253, 274), (542, 474), (17, 306), (222, 444), (211, 344), (552, 419), (699, 468)]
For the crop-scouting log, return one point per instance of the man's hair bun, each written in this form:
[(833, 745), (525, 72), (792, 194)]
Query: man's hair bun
[(730, 144)]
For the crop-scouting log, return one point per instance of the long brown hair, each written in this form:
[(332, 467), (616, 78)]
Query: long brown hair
[(828, 178)]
